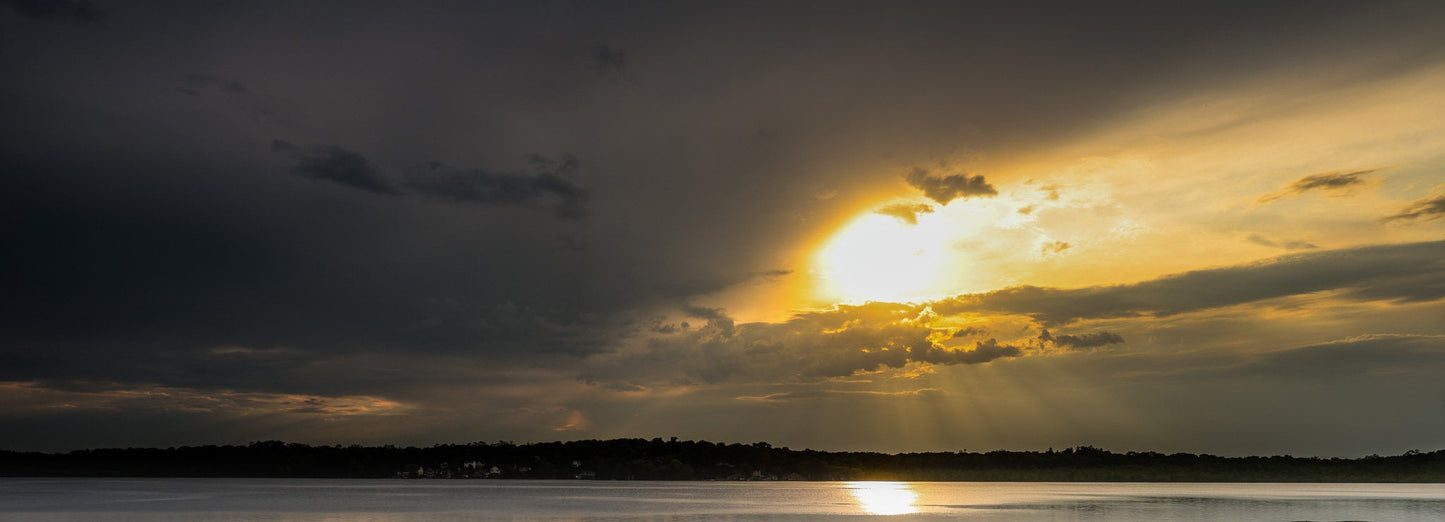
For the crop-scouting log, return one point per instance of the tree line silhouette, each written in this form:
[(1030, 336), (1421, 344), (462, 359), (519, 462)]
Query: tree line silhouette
[(656, 459)]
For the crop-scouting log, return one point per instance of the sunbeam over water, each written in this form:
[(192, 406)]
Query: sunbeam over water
[(884, 498)]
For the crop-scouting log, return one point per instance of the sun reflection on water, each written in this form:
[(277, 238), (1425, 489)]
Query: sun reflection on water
[(884, 498)]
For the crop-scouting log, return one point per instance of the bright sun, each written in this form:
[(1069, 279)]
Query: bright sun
[(880, 258)]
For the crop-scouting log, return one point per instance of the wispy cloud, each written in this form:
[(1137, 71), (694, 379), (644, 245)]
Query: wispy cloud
[(1295, 244), (1427, 208), (546, 182), (1328, 181), (336, 165)]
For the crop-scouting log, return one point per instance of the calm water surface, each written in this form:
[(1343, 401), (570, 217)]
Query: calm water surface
[(108, 500)]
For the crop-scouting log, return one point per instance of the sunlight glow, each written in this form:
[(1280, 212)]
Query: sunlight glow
[(884, 498), (882, 258), (878, 258)]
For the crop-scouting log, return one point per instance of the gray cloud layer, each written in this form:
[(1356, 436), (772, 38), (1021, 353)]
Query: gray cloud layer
[(1376, 354), (1408, 272)]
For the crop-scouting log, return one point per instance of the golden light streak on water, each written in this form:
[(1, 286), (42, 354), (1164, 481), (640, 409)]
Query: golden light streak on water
[(884, 498)]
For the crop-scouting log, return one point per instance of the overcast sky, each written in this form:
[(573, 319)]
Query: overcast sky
[(893, 226)]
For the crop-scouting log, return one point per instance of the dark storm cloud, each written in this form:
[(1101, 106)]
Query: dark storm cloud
[(1407, 272), (807, 348), (948, 188), (906, 212), (1332, 181), (336, 165), (1427, 208), (223, 284), (1081, 342), (152, 248), (547, 182), (70, 10), (1297, 244)]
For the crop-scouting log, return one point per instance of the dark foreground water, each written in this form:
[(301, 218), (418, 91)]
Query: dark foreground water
[(397, 500)]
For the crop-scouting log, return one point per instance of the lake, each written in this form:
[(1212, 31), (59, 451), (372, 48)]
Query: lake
[(47, 499)]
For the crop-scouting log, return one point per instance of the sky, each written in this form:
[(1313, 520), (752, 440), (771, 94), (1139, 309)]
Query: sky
[(1208, 227)]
